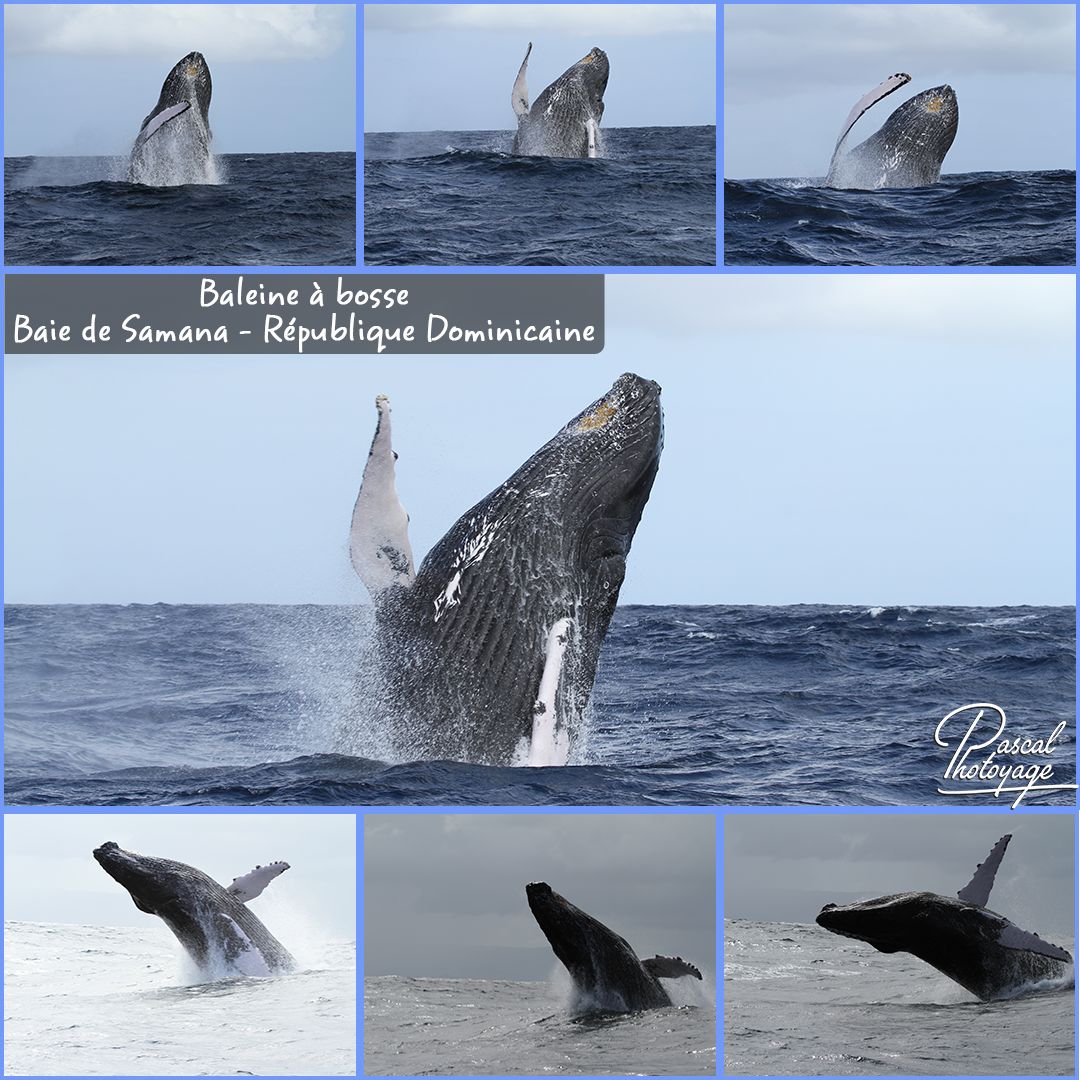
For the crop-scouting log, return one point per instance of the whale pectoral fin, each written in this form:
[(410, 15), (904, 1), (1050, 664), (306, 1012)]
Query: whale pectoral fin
[(519, 96), (249, 885), (1012, 937), (669, 967), (550, 743), (872, 97), (153, 124), (379, 536), (591, 136), (977, 890)]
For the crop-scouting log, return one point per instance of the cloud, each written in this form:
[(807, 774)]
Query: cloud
[(627, 20), (778, 48), (237, 32)]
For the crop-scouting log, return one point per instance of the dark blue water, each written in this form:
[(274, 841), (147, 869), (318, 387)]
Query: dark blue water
[(970, 219), (693, 705), (459, 198), (269, 209)]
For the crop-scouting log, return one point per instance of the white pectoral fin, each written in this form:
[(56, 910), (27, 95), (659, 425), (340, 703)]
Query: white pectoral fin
[(872, 97), (155, 123), (591, 134), (519, 96), (670, 967), (251, 884), (550, 744), (977, 890), (379, 536)]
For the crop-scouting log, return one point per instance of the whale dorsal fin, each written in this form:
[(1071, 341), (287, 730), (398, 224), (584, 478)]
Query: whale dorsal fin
[(977, 890), (669, 967), (251, 884), (872, 97), (379, 537), (519, 96)]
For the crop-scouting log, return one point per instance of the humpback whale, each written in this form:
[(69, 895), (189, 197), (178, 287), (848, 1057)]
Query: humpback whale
[(607, 973), (983, 951), (488, 652), (212, 922), (908, 149), (173, 144), (564, 121)]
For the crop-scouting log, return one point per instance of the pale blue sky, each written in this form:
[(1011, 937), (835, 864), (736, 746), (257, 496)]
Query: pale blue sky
[(430, 67), (80, 78), (849, 439), (793, 71), (50, 874)]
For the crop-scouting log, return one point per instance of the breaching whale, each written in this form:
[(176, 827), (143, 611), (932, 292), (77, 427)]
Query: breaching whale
[(564, 121), (173, 144), (908, 149), (607, 974), (961, 937), (488, 652), (212, 921)]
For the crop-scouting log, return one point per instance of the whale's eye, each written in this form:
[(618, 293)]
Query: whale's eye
[(598, 418)]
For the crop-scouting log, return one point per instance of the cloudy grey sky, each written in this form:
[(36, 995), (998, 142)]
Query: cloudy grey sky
[(50, 874), (444, 895), (80, 78), (872, 439), (430, 67), (786, 867), (793, 71)]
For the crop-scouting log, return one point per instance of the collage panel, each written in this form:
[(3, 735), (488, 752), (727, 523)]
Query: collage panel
[(797, 575), (515, 135), (888, 944), (212, 135), (526, 942), (141, 944), (944, 159)]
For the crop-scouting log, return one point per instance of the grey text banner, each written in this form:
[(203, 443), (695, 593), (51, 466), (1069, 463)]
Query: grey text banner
[(304, 313)]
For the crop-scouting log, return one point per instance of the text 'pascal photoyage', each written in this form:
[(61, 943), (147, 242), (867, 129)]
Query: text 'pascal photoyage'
[(987, 762)]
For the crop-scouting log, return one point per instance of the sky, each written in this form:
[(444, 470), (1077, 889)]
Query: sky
[(451, 67), (844, 439), (80, 78), (50, 874), (786, 867), (793, 72), (444, 894)]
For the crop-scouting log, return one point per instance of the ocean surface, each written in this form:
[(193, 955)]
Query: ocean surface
[(801, 1001), (459, 198), (492, 1028), (263, 210), (126, 1001), (968, 219), (221, 705)]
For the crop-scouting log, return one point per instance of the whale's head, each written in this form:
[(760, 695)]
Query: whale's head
[(889, 923), (929, 119), (190, 80), (157, 886), (593, 954), (593, 69)]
